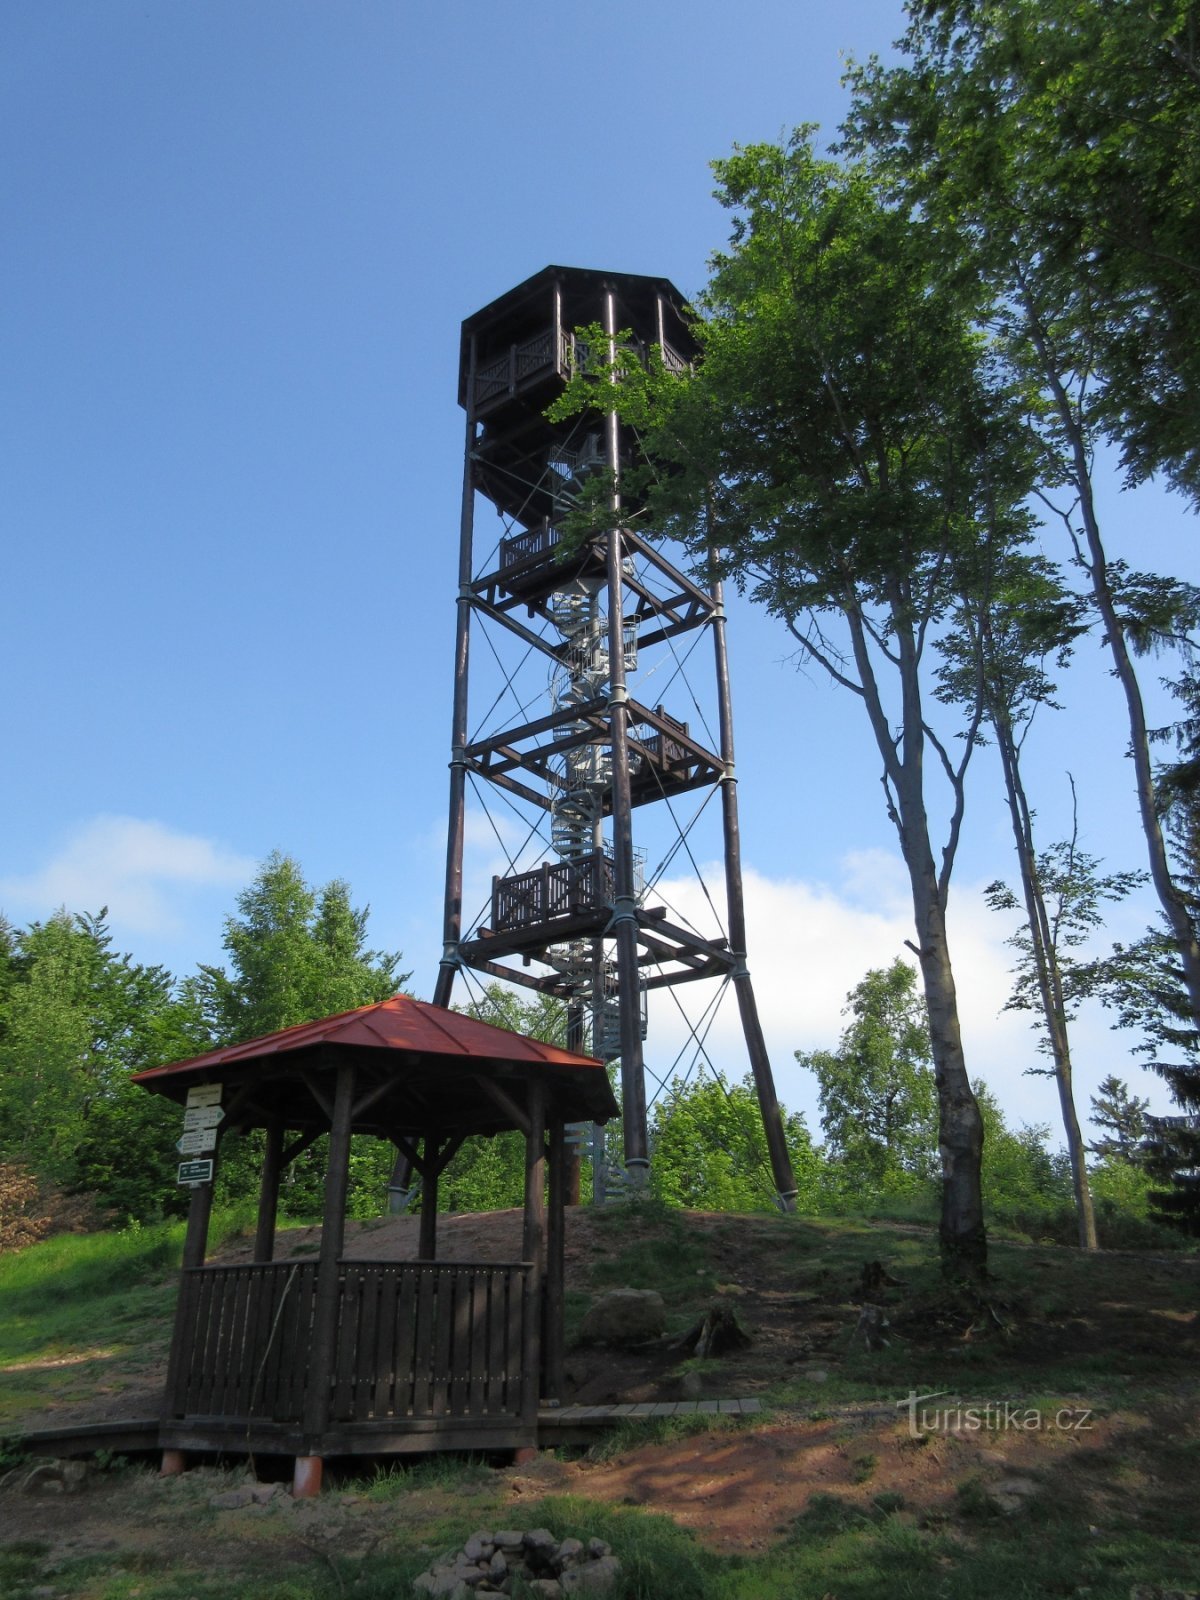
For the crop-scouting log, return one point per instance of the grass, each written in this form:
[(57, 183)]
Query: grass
[(1111, 1333), (81, 1310)]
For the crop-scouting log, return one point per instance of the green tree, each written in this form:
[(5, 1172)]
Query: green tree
[(710, 1148), (1076, 123), (1121, 1118), (842, 449), (1062, 893), (1051, 148), (1016, 617), (876, 1090), (296, 953), (1024, 1180), (76, 1020)]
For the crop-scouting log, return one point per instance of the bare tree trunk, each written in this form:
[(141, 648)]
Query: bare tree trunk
[(1047, 971), (962, 1236), (1095, 563)]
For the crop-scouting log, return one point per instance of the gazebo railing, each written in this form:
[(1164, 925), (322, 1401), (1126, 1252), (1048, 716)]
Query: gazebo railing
[(415, 1339)]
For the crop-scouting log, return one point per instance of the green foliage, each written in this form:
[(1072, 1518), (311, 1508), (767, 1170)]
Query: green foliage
[(1122, 1119), (877, 1095), (296, 953), (1021, 1174), (1073, 889), (75, 1021), (1060, 141), (710, 1148)]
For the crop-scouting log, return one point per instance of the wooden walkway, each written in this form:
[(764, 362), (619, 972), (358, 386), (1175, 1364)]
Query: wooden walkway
[(140, 1435), (663, 1408)]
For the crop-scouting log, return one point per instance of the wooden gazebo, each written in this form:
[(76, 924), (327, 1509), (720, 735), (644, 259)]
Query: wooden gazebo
[(325, 1357)]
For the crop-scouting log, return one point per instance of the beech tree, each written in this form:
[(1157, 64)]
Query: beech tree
[(841, 450), (1052, 147)]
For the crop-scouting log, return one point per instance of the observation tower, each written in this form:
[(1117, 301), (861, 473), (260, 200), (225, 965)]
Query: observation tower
[(578, 769)]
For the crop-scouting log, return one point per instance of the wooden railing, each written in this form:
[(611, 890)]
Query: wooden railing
[(506, 373), (538, 542), (552, 891), (415, 1339)]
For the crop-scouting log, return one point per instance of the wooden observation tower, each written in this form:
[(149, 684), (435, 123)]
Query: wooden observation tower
[(565, 741)]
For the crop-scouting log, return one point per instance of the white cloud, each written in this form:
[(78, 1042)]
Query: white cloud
[(139, 868), (811, 942)]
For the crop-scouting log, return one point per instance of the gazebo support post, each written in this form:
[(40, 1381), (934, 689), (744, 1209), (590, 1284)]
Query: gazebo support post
[(306, 1479), (268, 1193), (533, 1246), (195, 1241), (427, 1241), (555, 1298)]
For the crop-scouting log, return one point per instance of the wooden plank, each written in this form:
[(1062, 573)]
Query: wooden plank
[(226, 1296), (706, 1408), (366, 1373), (461, 1344), (481, 1290), (259, 1325), (439, 1387), (303, 1368), (242, 1371), (495, 1358), (199, 1368), (280, 1298), (347, 1351), (405, 1345), (423, 1343), (182, 1346), (516, 1295), (287, 1394)]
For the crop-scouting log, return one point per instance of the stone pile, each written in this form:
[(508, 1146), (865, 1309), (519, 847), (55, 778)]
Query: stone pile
[(548, 1567)]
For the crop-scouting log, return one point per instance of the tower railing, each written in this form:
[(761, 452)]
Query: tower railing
[(556, 889)]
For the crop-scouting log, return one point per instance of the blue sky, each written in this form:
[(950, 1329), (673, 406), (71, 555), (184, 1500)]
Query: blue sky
[(240, 237)]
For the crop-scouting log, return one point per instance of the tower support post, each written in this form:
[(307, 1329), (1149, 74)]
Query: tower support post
[(756, 1044), (624, 919), (452, 918)]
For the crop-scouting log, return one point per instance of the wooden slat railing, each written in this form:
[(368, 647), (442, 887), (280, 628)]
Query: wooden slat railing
[(415, 1339)]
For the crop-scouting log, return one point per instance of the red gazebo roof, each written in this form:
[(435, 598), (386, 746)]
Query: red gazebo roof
[(424, 1054)]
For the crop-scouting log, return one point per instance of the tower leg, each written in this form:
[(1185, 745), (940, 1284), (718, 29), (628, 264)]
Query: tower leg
[(756, 1046), (452, 919), (624, 919)]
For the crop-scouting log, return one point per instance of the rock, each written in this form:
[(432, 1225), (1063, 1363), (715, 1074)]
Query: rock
[(625, 1316), (497, 1567), (508, 1540), (569, 1551), (549, 1588), (540, 1542), (1011, 1495), (815, 1375), (597, 1549), (55, 1477), (479, 1547), (235, 1499), (591, 1578), (441, 1583)]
